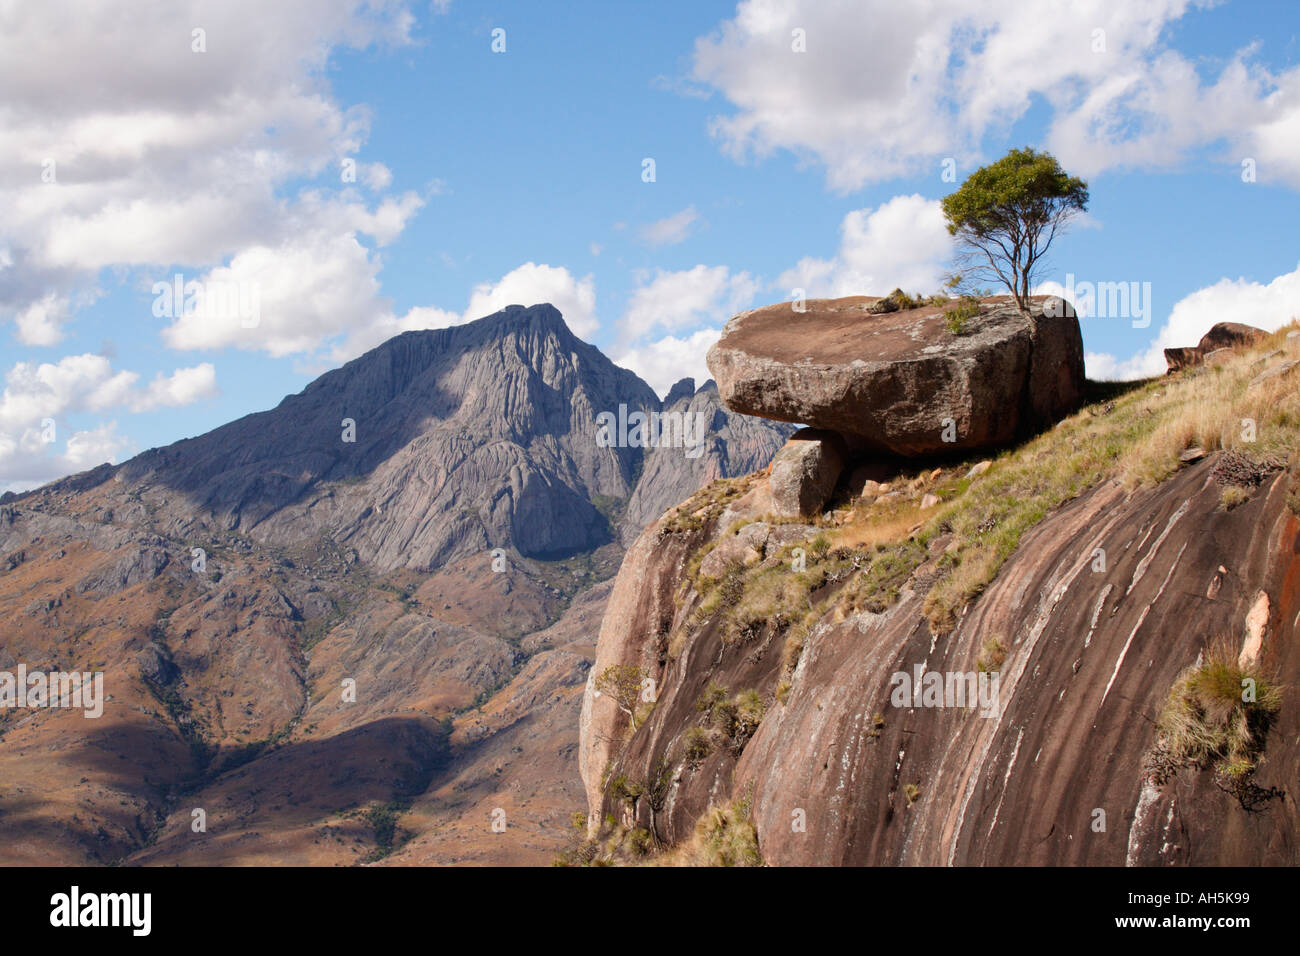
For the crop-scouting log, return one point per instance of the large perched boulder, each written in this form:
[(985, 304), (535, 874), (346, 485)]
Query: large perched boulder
[(1221, 337), (805, 470), (902, 382)]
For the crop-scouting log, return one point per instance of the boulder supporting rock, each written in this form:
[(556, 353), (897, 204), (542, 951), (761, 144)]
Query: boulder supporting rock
[(805, 470)]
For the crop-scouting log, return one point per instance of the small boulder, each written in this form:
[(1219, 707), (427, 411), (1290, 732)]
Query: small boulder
[(867, 479), (1277, 371), (929, 501), (1229, 335), (805, 470), (1215, 346), (744, 547), (1181, 358), (979, 469)]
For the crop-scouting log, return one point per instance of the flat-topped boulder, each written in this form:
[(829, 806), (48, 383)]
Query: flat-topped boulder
[(902, 382)]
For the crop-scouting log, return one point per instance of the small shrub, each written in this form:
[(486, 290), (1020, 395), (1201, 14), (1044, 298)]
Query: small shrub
[(639, 842), (792, 651), (698, 745), (896, 301), (724, 836), (957, 318), (992, 655), (1232, 496), (749, 714)]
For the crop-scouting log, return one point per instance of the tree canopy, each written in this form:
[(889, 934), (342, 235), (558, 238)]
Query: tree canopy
[(1006, 214)]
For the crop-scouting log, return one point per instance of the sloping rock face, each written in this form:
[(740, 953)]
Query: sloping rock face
[(836, 774), (901, 382), (1222, 335)]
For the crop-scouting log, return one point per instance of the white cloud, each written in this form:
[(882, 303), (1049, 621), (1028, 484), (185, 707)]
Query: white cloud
[(27, 461), (37, 397), (148, 154), (88, 383), (40, 323), (665, 362), (679, 300), (306, 291), (86, 449), (185, 386), (902, 243), (1267, 306), (532, 283), (529, 284), (886, 89), (671, 229)]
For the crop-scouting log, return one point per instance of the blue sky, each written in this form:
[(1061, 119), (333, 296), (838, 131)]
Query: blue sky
[(485, 178)]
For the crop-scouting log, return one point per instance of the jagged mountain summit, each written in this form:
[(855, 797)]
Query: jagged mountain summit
[(443, 443)]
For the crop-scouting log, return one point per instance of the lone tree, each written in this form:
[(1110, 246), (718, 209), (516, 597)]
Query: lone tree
[(1006, 214), (623, 684)]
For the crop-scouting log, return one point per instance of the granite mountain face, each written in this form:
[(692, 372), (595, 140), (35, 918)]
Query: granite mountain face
[(462, 440), (229, 585)]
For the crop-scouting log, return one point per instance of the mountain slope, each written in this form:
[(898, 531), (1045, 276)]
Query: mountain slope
[(231, 585)]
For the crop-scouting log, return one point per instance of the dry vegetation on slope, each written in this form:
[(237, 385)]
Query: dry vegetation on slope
[(863, 552)]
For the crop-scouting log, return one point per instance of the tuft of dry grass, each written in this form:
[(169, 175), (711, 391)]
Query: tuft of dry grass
[(992, 655), (724, 836), (1218, 712)]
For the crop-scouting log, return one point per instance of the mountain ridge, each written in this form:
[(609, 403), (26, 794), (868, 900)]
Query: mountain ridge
[(448, 564)]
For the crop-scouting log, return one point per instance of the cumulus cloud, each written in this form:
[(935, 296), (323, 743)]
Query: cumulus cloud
[(89, 383), (902, 243), (37, 397), (885, 89), (150, 154), (678, 300), (671, 229), (282, 300), (185, 386), (28, 459), (1267, 306), (532, 283), (668, 360), (529, 284)]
